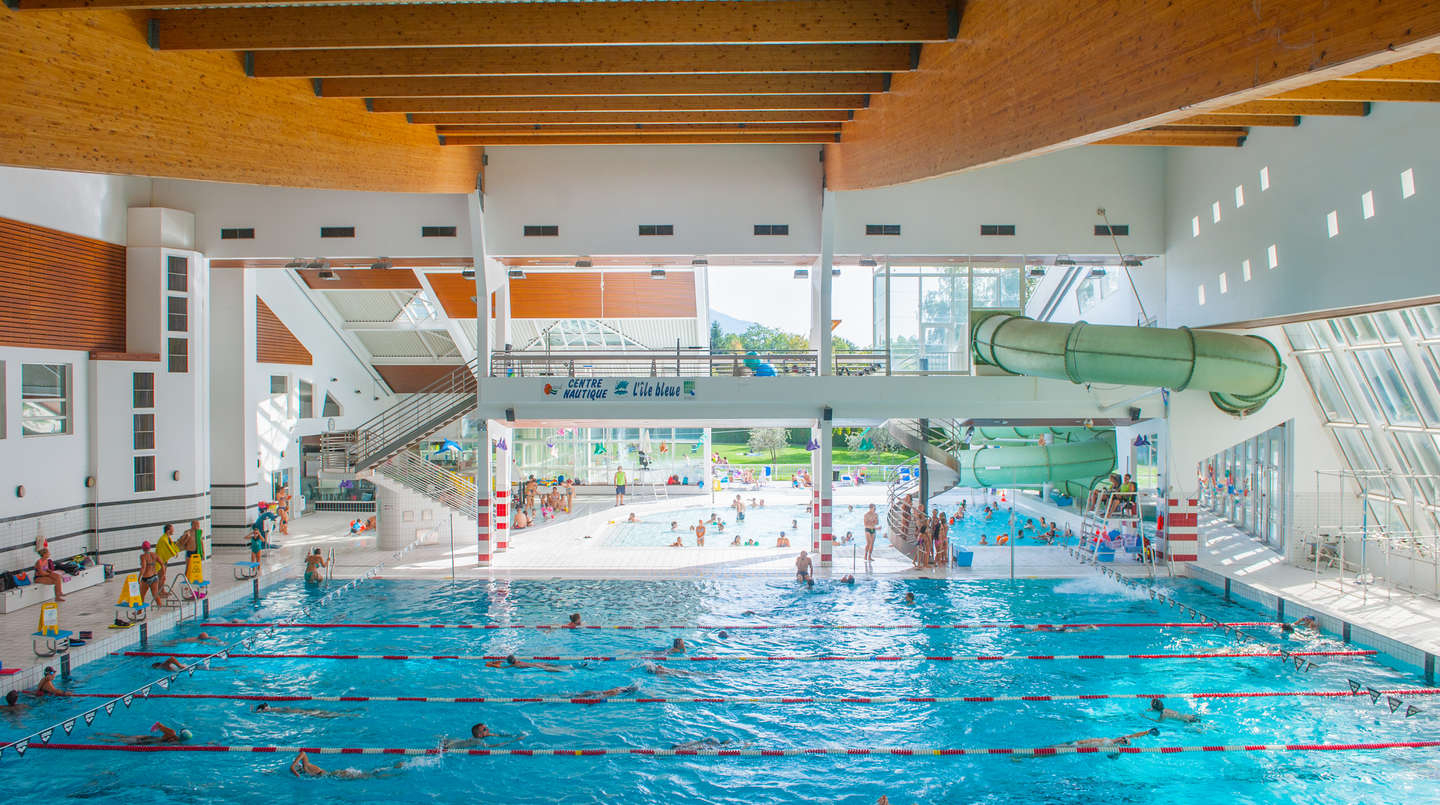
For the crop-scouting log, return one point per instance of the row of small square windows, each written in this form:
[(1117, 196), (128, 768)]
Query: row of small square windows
[(1332, 223)]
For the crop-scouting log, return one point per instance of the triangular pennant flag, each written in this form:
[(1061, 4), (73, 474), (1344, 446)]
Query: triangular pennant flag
[(45, 734), (145, 691), (174, 677), (1374, 695), (1284, 655), (1354, 686), (205, 662), (1393, 702), (1299, 663), (224, 655), (127, 698), (110, 707), (68, 726), (1411, 710), (89, 717), (1309, 666), (21, 745)]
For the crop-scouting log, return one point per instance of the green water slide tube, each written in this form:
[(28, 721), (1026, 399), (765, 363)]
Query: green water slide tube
[(1073, 466), (1241, 372), (1000, 434)]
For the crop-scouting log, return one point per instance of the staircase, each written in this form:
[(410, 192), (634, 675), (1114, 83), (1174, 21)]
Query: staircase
[(409, 471), (940, 465), (402, 424)]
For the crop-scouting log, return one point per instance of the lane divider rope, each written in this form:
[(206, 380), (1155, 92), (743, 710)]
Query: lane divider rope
[(781, 657), (1042, 751), (1065, 697), (733, 628)]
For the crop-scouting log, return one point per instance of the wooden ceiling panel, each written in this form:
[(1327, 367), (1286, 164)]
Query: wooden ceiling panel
[(550, 24), (603, 294), (656, 103), (1282, 121), (627, 118), (274, 342), (454, 291), (1401, 91), (561, 295), (653, 59), (405, 378), (1423, 68), (657, 128), (1320, 108), (372, 279), (638, 296), (505, 86)]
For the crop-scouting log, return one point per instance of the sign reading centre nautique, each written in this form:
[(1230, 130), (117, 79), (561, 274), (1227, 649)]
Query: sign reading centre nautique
[(598, 388)]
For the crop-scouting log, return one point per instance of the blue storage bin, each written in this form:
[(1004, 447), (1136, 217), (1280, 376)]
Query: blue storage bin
[(964, 558)]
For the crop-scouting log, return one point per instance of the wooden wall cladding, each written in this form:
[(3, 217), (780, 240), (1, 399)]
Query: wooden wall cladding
[(985, 98), (60, 291), (370, 279), (408, 378), (456, 294), (274, 343), (603, 295), (81, 90)]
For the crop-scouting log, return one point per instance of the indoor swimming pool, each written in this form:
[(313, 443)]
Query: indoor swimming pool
[(814, 649)]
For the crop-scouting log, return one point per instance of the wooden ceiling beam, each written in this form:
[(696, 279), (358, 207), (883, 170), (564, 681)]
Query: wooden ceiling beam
[(1424, 68), (510, 86), (650, 59), (641, 139), (1205, 139), (755, 22), (1312, 108), (1402, 91), (663, 103), (585, 129), (630, 118), (1239, 120)]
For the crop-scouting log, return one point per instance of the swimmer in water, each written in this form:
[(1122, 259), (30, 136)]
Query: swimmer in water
[(847, 579), (302, 767), (574, 621), (659, 670), (677, 647), (47, 685), (170, 664), (12, 701), (481, 736), (203, 637), (1107, 743), (910, 599), (723, 635), (607, 694), (266, 707), (513, 662), (166, 736), (1307, 622), (1045, 627), (709, 743), (1160, 712)]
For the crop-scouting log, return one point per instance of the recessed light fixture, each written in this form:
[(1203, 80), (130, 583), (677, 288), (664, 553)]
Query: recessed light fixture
[(327, 274), (296, 263), (381, 263), (467, 273), (700, 261), (867, 262), (1095, 273), (317, 263), (515, 273), (834, 272), (1131, 261), (802, 273), (657, 273), (1064, 260), (1037, 271), (583, 262)]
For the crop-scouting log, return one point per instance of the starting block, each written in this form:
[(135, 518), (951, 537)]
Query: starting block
[(197, 586), (50, 639), (247, 570), (130, 608)]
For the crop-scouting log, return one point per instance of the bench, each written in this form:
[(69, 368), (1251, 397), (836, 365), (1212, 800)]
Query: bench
[(32, 594)]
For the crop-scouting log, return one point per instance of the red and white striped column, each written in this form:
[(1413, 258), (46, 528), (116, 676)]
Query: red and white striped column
[(482, 496), (501, 486), (822, 495), (1182, 538)]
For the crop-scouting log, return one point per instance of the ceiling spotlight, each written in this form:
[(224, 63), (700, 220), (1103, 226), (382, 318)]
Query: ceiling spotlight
[(327, 274), (381, 264), (467, 273), (700, 261), (802, 273), (867, 263), (834, 272), (515, 273), (1095, 273), (657, 273), (583, 262), (318, 263), (1037, 271), (1131, 261), (1064, 260), (296, 263)]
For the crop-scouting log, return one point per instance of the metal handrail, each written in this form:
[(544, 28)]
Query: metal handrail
[(655, 363), (450, 489), (414, 416)]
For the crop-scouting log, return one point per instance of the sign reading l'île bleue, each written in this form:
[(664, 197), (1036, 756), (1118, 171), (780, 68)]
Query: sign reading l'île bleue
[(598, 388)]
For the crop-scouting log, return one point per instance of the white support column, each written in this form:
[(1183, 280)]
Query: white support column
[(822, 288), (502, 437), (484, 448), (502, 315), (822, 492), (483, 284)]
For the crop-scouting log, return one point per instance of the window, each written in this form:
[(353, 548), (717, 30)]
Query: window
[(1239, 196), (1265, 178), (307, 400), (1200, 293), (44, 399), (1215, 212), (1407, 183), (1332, 223), (144, 431), (331, 407), (177, 310), (1367, 204), (177, 274), (1245, 269), (142, 386), (882, 229), (279, 384), (178, 355), (772, 229), (1272, 255), (1246, 484), (1195, 227), (1224, 283), (144, 473)]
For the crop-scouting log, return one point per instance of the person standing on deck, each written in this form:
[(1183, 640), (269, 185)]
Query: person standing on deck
[(620, 485)]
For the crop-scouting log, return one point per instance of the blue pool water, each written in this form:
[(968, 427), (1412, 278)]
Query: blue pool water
[(1340, 777)]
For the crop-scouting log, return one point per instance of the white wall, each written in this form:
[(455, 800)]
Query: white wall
[(287, 221), (88, 204), (714, 195), (1051, 199), (1324, 165)]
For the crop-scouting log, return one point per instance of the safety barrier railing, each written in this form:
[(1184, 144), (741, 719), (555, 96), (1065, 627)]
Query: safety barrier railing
[(432, 481), (650, 363), (414, 417)]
